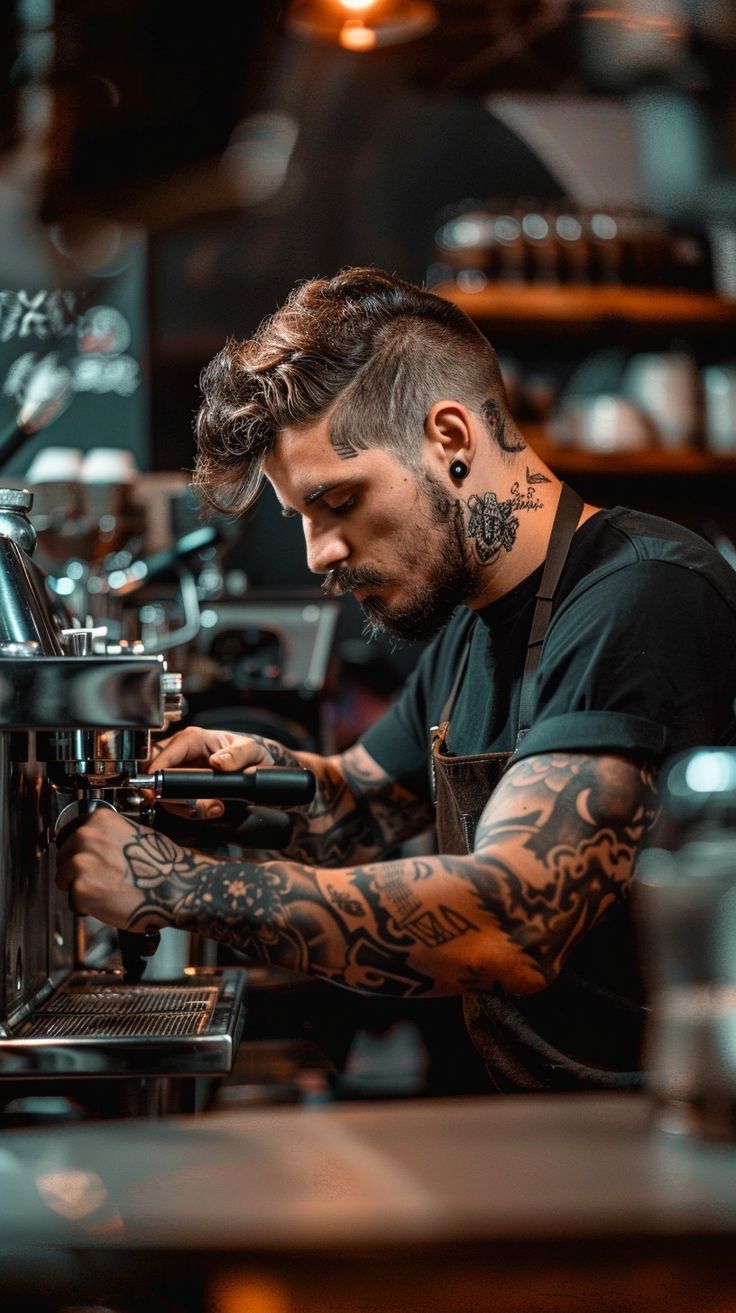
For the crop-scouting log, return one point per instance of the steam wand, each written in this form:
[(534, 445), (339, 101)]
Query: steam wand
[(48, 393)]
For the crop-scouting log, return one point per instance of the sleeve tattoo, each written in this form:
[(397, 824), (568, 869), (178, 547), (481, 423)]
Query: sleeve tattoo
[(358, 811), (555, 848)]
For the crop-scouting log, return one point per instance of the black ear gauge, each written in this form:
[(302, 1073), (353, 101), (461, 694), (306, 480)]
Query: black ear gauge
[(459, 470)]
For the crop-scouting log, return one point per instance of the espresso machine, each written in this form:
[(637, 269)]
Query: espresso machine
[(75, 733)]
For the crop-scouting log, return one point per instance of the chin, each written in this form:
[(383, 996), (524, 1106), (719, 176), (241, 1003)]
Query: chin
[(412, 626)]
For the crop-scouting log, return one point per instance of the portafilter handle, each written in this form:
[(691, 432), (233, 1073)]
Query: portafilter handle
[(273, 786), (135, 946)]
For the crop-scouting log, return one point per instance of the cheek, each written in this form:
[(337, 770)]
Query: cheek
[(392, 525), (383, 530)]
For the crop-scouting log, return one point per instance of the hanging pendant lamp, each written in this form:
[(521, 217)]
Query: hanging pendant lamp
[(360, 25)]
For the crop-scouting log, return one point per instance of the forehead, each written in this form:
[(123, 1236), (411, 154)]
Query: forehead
[(303, 459)]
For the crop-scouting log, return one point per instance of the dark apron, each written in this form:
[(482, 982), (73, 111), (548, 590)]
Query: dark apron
[(554, 1039)]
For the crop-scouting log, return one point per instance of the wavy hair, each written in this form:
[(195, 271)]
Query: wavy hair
[(368, 350)]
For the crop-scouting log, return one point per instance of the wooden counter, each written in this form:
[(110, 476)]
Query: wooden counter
[(531, 1203)]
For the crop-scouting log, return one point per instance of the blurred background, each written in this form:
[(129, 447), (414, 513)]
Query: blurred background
[(563, 170)]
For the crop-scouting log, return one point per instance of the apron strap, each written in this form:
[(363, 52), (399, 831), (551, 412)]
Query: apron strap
[(451, 696), (565, 523)]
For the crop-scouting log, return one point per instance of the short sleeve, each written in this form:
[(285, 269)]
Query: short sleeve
[(641, 661)]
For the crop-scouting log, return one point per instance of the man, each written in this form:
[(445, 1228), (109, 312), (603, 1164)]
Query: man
[(377, 412)]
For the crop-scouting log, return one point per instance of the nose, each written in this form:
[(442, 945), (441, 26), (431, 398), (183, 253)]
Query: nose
[(326, 547)]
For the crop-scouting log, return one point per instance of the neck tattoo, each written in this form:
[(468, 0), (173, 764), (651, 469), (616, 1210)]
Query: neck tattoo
[(493, 525)]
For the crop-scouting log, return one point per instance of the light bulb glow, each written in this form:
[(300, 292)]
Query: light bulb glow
[(354, 35), (374, 22)]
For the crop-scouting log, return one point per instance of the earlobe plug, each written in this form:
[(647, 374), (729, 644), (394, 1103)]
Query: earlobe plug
[(459, 470)]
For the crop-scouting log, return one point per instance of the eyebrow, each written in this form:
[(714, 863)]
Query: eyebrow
[(313, 496), (322, 488)]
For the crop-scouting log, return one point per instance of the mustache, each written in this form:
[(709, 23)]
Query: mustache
[(339, 582)]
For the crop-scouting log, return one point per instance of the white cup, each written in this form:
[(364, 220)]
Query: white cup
[(605, 424), (666, 386), (719, 396), (55, 465), (109, 465)]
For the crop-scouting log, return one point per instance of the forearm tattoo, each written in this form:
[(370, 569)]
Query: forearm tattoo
[(554, 850), (357, 813), (275, 913)]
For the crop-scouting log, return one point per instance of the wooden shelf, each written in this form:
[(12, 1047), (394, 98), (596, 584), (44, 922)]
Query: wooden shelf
[(576, 307), (686, 463)]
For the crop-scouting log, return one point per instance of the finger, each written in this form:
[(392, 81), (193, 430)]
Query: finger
[(67, 872), (75, 839), (75, 903), (240, 754), (200, 809), (191, 746), (207, 809)]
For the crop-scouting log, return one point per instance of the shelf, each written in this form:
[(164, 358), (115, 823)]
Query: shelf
[(686, 463), (576, 307)]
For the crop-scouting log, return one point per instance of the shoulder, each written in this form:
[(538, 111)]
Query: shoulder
[(621, 552)]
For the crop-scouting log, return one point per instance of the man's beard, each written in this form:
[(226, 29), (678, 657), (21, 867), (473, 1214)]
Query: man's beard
[(452, 574)]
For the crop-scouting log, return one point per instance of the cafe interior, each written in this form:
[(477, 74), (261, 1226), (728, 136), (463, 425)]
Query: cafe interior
[(182, 1128)]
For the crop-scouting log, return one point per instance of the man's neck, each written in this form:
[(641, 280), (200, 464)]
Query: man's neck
[(533, 493)]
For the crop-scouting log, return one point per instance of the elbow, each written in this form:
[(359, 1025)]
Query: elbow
[(529, 980), (527, 977), (513, 970), (535, 968)]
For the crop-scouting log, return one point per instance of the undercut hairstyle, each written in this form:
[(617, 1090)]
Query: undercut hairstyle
[(369, 351)]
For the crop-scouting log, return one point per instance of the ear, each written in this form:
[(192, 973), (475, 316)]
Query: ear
[(449, 429)]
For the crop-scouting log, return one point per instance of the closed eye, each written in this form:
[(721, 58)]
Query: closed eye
[(343, 507)]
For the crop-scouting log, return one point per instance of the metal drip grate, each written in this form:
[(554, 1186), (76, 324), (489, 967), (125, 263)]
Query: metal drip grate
[(97, 1025), (124, 1011)]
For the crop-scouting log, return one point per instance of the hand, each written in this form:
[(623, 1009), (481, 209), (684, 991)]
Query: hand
[(123, 873), (217, 748)]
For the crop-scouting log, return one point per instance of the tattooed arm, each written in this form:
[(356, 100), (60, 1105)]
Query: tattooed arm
[(358, 811), (554, 850)]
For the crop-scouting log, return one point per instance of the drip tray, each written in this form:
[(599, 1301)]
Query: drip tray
[(97, 1025)]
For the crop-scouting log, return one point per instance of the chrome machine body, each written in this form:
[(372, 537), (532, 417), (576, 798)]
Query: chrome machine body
[(76, 725)]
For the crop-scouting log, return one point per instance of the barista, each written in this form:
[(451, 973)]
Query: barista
[(558, 673)]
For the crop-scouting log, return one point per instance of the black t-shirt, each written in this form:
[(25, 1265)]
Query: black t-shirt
[(639, 658)]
